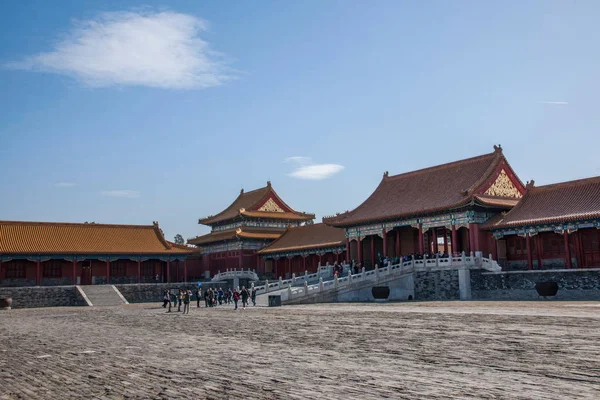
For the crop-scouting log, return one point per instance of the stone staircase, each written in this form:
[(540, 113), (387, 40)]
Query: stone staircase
[(102, 295)]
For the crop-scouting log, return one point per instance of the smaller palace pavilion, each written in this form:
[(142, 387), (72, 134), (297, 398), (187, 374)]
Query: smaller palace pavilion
[(553, 226), (47, 253), (253, 220), (420, 211), (303, 248)]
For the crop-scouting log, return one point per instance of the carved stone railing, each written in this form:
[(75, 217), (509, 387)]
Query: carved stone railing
[(379, 274), (323, 272), (234, 273)]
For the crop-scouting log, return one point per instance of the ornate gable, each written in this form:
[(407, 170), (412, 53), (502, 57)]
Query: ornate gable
[(271, 206), (503, 187)]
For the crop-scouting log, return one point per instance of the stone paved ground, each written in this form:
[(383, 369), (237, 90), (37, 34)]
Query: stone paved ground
[(455, 350)]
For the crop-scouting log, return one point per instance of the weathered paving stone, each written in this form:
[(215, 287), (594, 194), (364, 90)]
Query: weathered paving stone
[(456, 350)]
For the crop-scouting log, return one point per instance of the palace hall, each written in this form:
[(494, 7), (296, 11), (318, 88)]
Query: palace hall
[(253, 220), (447, 205), (476, 205), (48, 253)]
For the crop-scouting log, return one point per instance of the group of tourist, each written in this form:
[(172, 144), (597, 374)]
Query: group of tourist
[(173, 298), (212, 297)]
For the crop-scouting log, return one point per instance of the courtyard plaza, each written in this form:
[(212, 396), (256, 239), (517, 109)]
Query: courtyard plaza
[(432, 350)]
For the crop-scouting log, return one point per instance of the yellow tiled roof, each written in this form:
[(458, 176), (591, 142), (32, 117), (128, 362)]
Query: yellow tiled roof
[(17, 237)]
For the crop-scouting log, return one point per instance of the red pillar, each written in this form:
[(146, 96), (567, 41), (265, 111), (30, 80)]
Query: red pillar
[(185, 270), (241, 259), (445, 241), (469, 238), (421, 239), (168, 271), (567, 250), (320, 259), (108, 272), (373, 251), (434, 240), (360, 259), (38, 273), (74, 277), (304, 262), (475, 242), (529, 256), (347, 250), (454, 240), (139, 271), (539, 248), (398, 249), (385, 247), (276, 267)]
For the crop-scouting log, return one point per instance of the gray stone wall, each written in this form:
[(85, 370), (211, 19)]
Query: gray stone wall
[(153, 292), (573, 284), (436, 285), (18, 282), (57, 281), (550, 263), (51, 296)]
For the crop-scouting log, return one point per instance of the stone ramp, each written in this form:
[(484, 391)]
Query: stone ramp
[(263, 299), (102, 295)]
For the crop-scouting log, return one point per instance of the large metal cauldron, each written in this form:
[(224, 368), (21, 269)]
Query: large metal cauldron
[(5, 303), (546, 289)]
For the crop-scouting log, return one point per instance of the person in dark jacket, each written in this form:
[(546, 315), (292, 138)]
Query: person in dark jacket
[(253, 296), (236, 298), (245, 296)]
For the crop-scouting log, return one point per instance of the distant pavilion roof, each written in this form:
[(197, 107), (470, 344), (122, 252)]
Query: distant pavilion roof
[(236, 233), (20, 237), (259, 203), (487, 180), (307, 237), (556, 203)]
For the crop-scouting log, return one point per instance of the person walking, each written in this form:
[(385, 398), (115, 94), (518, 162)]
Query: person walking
[(179, 300), (245, 296), (186, 301), (220, 296), (168, 299), (236, 298), (253, 296), (198, 296)]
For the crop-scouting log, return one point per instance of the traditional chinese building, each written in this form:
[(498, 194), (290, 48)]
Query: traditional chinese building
[(253, 220), (445, 205), (303, 248), (553, 226), (47, 253)]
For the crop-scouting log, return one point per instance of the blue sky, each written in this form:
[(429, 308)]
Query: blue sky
[(130, 112)]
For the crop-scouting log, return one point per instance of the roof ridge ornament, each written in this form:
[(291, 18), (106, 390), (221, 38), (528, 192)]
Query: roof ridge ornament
[(268, 183), (386, 174), (498, 148), (530, 184)]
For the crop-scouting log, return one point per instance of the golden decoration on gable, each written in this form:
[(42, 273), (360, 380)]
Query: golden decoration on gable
[(271, 206), (503, 187)]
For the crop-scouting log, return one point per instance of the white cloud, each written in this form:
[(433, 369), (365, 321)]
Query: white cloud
[(298, 160), (130, 194), (64, 184), (161, 50), (555, 102), (306, 169)]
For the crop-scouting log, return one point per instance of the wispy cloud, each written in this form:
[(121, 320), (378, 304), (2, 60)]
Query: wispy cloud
[(130, 194), (305, 168), (298, 160), (560, 103), (64, 184), (161, 50)]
